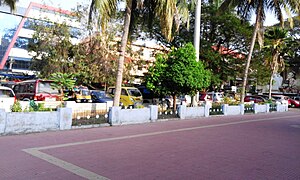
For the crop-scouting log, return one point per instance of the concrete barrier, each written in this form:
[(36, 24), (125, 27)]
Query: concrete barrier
[(118, 116), (193, 112), (282, 107), (88, 106), (233, 109), (261, 108), (28, 122)]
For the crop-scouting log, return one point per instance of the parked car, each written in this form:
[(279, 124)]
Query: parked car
[(38, 90), (255, 99), (7, 98), (295, 102), (100, 97), (211, 97), (282, 99), (130, 96), (82, 94)]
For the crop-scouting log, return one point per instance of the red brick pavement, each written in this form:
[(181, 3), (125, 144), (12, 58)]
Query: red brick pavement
[(223, 147)]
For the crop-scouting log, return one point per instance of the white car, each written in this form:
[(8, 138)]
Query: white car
[(282, 99), (7, 98)]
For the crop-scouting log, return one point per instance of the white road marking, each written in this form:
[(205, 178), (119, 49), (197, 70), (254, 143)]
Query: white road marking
[(91, 175)]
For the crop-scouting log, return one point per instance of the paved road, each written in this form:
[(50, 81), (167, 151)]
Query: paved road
[(264, 146)]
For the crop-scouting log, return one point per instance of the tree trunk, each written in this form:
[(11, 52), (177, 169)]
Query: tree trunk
[(122, 54), (197, 43), (270, 85), (174, 103), (253, 39)]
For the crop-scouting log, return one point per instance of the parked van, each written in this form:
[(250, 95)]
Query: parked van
[(38, 90), (130, 96), (7, 98)]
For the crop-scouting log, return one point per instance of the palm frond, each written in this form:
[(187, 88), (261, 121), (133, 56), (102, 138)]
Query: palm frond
[(10, 3)]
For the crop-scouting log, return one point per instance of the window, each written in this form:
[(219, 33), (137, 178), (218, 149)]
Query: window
[(6, 93), (123, 92)]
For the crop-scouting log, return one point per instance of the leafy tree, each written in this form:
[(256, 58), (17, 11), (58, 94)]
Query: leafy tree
[(245, 9), (54, 51), (218, 33), (178, 73), (62, 81), (164, 10), (275, 47), (93, 60)]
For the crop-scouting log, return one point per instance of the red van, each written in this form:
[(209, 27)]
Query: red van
[(38, 90)]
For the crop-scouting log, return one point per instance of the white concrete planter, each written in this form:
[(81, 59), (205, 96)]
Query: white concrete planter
[(118, 116), (27, 122)]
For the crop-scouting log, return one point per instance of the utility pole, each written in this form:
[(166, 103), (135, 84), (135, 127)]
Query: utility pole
[(197, 41), (197, 29)]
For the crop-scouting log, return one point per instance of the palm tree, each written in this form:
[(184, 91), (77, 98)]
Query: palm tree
[(275, 48), (10, 3), (245, 8), (165, 10)]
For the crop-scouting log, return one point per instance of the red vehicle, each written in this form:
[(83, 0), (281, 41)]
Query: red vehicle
[(254, 99), (295, 102), (38, 90)]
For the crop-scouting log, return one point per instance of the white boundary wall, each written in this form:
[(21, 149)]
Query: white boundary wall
[(28, 122), (88, 106)]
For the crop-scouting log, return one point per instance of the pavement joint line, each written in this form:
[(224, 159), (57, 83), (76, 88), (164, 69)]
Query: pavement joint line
[(36, 152), (65, 165), (155, 133)]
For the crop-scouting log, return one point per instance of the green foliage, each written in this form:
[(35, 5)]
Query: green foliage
[(139, 106), (33, 107), (93, 60), (178, 73), (16, 107), (62, 81)]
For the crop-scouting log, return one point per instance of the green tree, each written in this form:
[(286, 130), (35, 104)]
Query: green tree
[(62, 81), (245, 8), (277, 39), (178, 73), (93, 60), (164, 10), (54, 51)]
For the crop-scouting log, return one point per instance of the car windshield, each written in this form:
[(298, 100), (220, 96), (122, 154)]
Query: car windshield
[(134, 92), (85, 92), (6, 93), (45, 87), (100, 94)]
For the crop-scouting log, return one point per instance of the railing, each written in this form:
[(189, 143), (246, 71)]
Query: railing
[(167, 114), (273, 107), (248, 108), (89, 117), (216, 110)]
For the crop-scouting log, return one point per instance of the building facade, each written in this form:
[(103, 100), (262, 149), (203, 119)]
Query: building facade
[(17, 31)]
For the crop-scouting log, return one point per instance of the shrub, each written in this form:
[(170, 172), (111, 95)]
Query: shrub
[(16, 107), (139, 106)]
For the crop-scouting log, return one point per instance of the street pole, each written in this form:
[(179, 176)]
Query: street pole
[(197, 41)]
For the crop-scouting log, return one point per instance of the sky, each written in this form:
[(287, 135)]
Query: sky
[(63, 4), (69, 4)]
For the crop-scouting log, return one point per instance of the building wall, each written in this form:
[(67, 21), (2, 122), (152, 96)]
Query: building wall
[(16, 33)]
